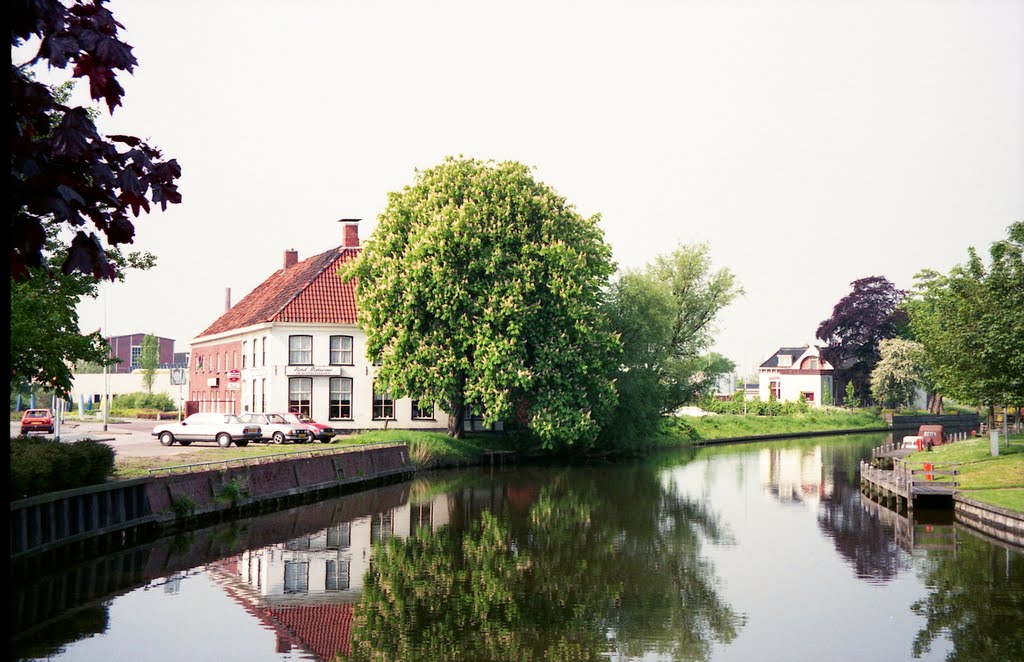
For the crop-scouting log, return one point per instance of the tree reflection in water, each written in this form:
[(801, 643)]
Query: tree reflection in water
[(573, 576), (983, 618)]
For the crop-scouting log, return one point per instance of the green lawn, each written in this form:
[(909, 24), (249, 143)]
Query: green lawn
[(724, 426), (426, 449), (995, 480)]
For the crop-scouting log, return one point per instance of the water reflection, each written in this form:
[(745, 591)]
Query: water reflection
[(724, 553), (567, 575)]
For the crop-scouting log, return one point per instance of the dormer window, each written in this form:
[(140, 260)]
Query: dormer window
[(785, 360)]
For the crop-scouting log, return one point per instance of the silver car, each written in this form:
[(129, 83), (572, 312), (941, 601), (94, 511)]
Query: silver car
[(277, 430), (225, 429)]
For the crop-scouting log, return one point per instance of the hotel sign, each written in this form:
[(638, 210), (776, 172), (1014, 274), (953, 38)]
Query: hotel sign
[(313, 371)]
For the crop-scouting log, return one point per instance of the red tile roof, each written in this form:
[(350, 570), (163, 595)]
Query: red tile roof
[(310, 291)]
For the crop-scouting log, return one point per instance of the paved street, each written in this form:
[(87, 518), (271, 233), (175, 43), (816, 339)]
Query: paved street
[(131, 438)]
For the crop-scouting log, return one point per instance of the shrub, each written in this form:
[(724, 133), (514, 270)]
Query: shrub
[(40, 465), (160, 401)]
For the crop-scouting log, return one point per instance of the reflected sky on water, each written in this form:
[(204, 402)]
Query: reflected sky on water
[(742, 552)]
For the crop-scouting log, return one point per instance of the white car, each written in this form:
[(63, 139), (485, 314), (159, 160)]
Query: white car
[(225, 429), (276, 429)]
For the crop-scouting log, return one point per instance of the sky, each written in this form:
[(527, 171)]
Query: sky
[(809, 143)]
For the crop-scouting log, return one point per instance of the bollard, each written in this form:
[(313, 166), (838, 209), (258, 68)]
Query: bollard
[(994, 442)]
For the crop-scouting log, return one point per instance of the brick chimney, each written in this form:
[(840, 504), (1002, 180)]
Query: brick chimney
[(227, 299), (291, 258), (350, 232)]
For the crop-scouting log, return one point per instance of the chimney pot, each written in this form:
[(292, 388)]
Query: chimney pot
[(291, 258), (227, 299), (350, 233)]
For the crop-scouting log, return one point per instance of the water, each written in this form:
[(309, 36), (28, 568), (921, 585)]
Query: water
[(764, 552)]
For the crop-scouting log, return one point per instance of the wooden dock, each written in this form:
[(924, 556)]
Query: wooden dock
[(903, 484)]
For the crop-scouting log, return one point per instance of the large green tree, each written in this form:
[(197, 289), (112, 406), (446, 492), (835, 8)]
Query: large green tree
[(664, 315), (45, 338), (971, 324), (481, 288)]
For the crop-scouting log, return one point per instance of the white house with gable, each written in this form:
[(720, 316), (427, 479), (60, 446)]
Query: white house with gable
[(792, 371)]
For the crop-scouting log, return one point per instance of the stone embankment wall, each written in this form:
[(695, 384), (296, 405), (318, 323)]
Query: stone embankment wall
[(123, 509), (999, 523)]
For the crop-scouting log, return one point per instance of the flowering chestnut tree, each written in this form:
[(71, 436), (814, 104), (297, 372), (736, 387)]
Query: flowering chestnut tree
[(481, 289)]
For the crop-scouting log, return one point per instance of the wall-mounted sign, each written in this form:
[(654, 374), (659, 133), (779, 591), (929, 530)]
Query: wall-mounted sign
[(234, 386), (234, 375), (177, 376), (313, 370)]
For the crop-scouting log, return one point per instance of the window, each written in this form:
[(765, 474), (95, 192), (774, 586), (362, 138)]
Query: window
[(341, 350), (264, 350), (776, 389), (254, 352), (339, 537), (245, 352), (337, 572), (785, 360), (263, 394), (341, 398), (383, 405), (812, 363), (808, 395), (300, 350), (421, 410), (300, 394), (136, 353), (381, 527), (254, 395), (419, 517), (296, 577)]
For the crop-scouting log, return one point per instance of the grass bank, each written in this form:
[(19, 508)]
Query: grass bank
[(686, 429), (426, 449), (998, 481)]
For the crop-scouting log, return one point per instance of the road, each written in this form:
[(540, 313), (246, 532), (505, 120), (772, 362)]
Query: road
[(130, 438)]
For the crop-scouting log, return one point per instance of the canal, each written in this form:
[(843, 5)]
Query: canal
[(739, 552)]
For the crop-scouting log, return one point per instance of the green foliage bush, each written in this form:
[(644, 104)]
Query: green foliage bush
[(160, 401), (40, 465)]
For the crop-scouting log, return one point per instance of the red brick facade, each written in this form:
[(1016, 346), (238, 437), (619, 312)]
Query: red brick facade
[(210, 388)]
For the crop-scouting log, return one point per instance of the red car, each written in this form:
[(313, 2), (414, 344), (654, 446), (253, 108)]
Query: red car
[(321, 432), (37, 420)]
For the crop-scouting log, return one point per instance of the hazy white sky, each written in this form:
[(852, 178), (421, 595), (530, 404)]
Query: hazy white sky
[(809, 142)]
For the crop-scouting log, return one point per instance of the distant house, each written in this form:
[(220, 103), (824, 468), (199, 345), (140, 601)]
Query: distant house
[(794, 371), (127, 349)]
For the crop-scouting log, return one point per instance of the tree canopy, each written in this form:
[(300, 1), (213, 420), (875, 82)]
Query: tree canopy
[(898, 373), (481, 289), (63, 172), (664, 315), (149, 360), (862, 318), (971, 324)]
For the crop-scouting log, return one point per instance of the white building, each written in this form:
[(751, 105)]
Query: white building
[(794, 371), (293, 344)]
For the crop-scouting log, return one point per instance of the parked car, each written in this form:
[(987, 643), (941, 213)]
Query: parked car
[(37, 420), (321, 432), (277, 429), (225, 429)]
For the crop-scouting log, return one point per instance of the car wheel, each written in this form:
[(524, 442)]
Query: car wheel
[(23, 432), (326, 440), (242, 443), (50, 431), (223, 439), (278, 438), (166, 438), (185, 442)]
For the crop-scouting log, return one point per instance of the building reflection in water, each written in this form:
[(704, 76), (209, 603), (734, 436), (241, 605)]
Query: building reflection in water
[(795, 475), (305, 588)]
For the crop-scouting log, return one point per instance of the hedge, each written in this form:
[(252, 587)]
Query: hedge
[(40, 465)]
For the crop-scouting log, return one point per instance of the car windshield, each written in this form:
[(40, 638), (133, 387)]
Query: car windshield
[(303, 417), (276, 418)]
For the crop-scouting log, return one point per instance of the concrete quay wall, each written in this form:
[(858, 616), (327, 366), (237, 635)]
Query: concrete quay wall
[(119, 511)]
